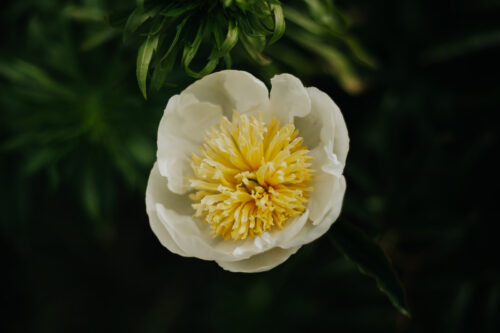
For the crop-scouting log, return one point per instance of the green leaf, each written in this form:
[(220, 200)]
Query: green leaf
[(160, 72), (254, 47), (136, 19), (228, 60), (359, 52), (298, 18), (143, 60), (279, 23), (39, 160), (179, 28), (91, 195), (357, 247), (190, 51), (81, 13), (336, 62), (98, 39), (229, 42), (176, 11), (207, 69)]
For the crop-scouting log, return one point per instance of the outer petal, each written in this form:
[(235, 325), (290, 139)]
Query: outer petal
[(157, 191), (232, 90), (197, 109), (195, 240), (261, 262), (329, 113), (272, 239), (171, 219), (181, 131), (289, 98), (310, 231), (324, 128)]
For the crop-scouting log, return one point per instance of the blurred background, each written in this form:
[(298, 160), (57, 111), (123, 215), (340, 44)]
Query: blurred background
[(418, 85)]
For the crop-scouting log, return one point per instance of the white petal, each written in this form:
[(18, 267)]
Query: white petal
[(232, 90), (310, 231), (274, 238), (181, 131), (172, 222), (261, 262), (289, 98), (170, 216), (327, 109), (327, 172), (325, 129), (194, 239), (191, 235), (157, 191), (317, 127)]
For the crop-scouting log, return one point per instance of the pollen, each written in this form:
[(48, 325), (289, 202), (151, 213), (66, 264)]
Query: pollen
[(250, 178)]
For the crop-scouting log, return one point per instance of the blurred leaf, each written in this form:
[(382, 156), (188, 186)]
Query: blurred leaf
[(81, 13), (90, 195), (359, 52), (41, 159), (28, 74), (98, 38), (136, 19), (141, 150), (325, 13), (371, 260), (463, 46), (143, 60), (279, 23), (337, 62), (303, 21), (176, 10)]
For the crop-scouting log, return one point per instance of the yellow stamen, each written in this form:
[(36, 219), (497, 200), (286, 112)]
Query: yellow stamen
[(250, 178)]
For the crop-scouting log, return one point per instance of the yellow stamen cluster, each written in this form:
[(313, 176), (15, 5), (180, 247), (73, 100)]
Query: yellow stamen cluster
[(249, 177)]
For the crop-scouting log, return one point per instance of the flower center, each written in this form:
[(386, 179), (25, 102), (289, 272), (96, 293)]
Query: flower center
[(250, 178)]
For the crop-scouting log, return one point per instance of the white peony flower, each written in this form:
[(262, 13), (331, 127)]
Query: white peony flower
[(244, 177)]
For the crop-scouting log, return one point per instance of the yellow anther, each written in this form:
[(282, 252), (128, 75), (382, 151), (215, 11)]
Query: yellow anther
[(250, 178)]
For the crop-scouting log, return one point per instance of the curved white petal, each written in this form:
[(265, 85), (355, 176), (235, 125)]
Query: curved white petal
[(270, 239), (289, 98), (232, 90), (157, 191), (329, 113), (327, 172), (181, 131), (194, 238), (261, 262), (318, 126), (170, 216), (198, 108), (312, 231)]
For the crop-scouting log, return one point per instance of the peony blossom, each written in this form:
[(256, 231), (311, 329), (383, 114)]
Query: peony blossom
[(245, 177)]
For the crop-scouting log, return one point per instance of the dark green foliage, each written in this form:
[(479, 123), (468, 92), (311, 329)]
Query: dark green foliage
[(370, 260), (206, 29)]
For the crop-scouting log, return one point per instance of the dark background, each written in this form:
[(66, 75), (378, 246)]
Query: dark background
[(77, 142)]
